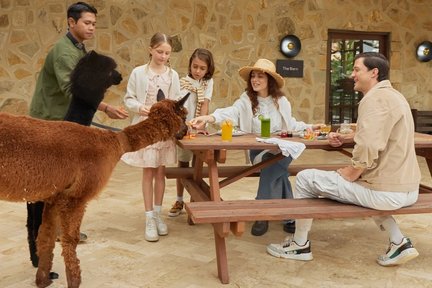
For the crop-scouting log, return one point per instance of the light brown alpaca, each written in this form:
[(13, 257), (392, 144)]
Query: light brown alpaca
[(65, 165)]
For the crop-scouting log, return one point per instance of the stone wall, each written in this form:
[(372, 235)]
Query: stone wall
[(236, 31)]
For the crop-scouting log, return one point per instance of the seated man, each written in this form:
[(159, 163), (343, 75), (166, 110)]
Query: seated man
[(384, 174)]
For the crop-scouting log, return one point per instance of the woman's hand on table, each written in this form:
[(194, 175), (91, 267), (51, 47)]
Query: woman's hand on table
[(203, 132)]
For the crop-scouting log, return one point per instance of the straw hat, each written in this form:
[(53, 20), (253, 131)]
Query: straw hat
[(262, 65)]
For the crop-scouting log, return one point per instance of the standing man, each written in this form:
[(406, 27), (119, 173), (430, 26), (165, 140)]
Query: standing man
[(52, 95), (384, 174)]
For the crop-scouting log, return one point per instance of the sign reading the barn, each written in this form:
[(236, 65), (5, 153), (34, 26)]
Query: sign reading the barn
[(290, 68)]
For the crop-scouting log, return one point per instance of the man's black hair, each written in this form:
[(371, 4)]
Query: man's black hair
[(77, 8), (376, 60)]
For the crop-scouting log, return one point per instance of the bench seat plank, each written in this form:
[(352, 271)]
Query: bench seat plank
[(255, 210), (227, 171)]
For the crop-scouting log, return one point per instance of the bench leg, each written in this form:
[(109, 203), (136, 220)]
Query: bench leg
[(221, 257)]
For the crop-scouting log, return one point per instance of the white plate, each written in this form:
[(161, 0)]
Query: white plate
[(235, 133)]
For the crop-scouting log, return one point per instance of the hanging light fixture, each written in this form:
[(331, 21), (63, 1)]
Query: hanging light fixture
[(424, 51), (290, 46)]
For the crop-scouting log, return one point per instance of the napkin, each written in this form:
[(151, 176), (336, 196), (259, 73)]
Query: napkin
[(287, 147)]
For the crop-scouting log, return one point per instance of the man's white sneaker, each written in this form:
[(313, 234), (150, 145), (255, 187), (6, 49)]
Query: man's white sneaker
[(398, 253), (162, 228), (289, 249), (151, 233)]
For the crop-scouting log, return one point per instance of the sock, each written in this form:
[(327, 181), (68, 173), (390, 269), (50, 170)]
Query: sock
[(157, 208), (300, 237), (180, 198), (393, 230), (149, 214), (303, 227)]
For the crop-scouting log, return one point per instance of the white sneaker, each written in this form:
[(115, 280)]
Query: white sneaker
[(162, 228), (289, 249), (151, 233), (398, 253)]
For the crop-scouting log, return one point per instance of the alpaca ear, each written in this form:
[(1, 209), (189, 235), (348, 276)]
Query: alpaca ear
[(160, 95), (182, 101)]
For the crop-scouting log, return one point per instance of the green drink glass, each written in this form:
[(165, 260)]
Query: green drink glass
[(265, 127)]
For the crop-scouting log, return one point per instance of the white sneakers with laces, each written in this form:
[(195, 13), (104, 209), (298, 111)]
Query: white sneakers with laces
[(398, 253), (289, 249), (151, 233), (155, 227), (162, 228)]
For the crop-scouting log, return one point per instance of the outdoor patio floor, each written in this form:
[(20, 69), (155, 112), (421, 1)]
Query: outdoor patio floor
[(116, 254)]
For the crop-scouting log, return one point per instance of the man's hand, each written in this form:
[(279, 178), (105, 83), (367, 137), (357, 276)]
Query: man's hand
[(350, 173), (116, 112), (335, 139), (144, 110)]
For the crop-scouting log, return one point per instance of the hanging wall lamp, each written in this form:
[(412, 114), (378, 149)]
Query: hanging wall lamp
[(290, 46), (424, 51)]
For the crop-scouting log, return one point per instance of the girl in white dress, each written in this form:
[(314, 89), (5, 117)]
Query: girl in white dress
[(144, 83)]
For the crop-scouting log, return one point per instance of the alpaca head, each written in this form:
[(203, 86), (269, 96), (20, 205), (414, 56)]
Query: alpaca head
[(171, 114), (94, 74)]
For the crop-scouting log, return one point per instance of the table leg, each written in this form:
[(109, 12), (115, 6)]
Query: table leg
[(213, 181), (221, 257), (221, 230), (197, 164)]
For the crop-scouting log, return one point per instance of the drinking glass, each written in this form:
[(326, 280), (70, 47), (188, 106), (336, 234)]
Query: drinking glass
[(227, 128), (265, 127), (191, 133), (345, 128), (326, 129)]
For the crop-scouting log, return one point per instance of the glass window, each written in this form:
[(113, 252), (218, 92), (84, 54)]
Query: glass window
[(341, 99)]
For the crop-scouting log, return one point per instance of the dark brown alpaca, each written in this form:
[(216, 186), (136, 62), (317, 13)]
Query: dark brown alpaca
[(65, 165)]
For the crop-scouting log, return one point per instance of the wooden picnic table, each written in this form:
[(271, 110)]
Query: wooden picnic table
[(212, 151)]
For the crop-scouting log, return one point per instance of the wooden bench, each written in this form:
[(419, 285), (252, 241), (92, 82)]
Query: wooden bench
[(231, 216), (227, 171), (422, 121), (282, 209)]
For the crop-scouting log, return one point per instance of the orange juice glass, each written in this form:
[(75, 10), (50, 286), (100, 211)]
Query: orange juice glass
[(191, 132), (227, 128), (326, 129)]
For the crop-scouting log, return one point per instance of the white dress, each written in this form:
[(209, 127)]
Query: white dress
[(161, 153)]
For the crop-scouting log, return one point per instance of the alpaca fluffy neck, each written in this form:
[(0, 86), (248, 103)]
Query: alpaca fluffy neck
[(143, 134)]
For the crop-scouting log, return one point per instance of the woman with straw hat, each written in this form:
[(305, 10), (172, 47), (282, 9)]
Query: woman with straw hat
[(262, 96)]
